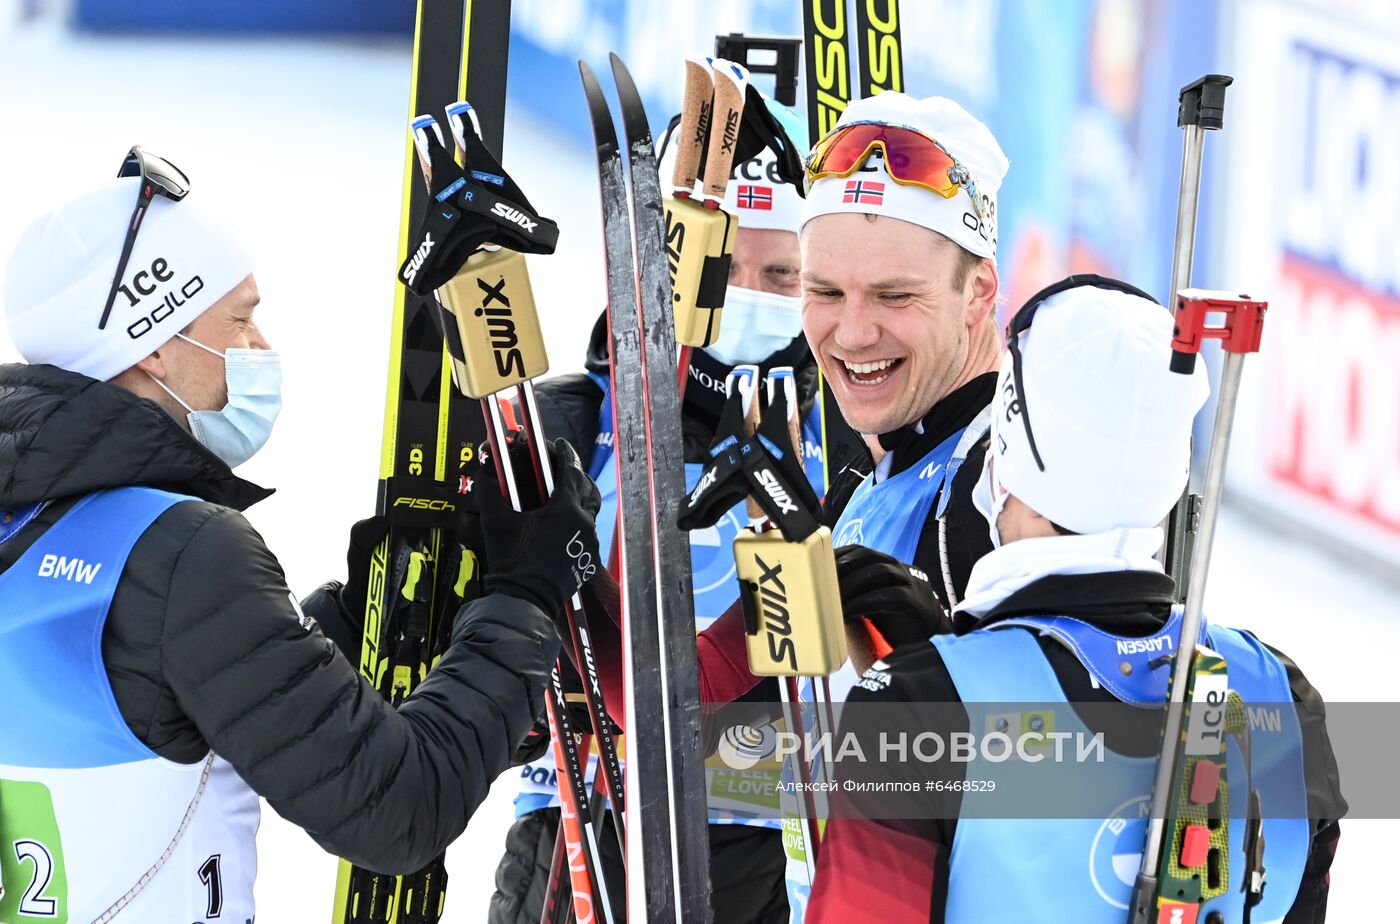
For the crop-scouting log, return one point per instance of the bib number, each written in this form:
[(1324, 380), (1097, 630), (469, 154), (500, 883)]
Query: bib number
[(33, 902), (35, 882), (213, 881)]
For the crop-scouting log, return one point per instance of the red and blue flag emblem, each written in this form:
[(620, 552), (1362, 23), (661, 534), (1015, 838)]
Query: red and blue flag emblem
[(756, 197), (864, 192)]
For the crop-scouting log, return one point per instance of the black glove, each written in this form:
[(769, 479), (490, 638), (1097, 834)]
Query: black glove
[(896, 600), (364, 537), (542, 556), (537, 740), (339, 609)]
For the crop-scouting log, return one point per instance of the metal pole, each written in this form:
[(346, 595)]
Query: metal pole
[(1191, 619), (1201, 108), (1193, 147), (1178, 526)]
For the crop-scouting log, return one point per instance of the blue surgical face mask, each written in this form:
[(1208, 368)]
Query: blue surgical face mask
[(238, 430), (754, 325)]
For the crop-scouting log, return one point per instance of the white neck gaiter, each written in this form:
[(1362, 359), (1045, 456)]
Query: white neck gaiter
[(1007, 569)]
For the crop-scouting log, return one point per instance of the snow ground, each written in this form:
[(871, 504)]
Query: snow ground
[(302, 145)]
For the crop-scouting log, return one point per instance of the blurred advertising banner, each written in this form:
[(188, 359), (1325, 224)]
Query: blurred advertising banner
[(1081, 94), (1314, 224), (345, 17)]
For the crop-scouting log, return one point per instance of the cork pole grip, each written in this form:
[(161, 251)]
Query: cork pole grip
[(730, 81), (689, 138)]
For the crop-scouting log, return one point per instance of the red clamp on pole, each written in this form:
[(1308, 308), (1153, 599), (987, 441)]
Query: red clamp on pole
[(1240, 332)]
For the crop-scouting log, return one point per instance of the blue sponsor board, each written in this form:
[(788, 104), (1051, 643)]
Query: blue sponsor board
[(355, 17)]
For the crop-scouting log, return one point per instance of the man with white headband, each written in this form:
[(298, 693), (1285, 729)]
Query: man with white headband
[(762, 324), (1090, 449), (156, 675), (899, 288)]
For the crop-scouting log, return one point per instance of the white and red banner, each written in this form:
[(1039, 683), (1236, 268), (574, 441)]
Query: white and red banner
[(1311, 221)]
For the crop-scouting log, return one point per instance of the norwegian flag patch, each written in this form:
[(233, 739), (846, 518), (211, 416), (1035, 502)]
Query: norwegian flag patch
[(864, 192), (756, 197)]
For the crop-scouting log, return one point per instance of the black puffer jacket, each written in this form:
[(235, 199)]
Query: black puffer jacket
[(204, 648)]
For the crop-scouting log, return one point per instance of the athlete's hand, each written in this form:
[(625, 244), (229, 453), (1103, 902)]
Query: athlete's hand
[(543, 555), (888, 598)]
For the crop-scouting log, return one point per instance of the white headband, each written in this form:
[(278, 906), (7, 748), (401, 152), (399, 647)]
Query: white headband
[(871, 191), (56, 282)]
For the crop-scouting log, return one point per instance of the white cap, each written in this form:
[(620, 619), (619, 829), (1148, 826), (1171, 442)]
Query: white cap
[(1111, 421), (871, 191), (56, 282), (755, 195)]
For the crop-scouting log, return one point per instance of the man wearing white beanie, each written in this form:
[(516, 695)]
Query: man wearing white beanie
[(156, 675), (899, 243), (1090, 448)]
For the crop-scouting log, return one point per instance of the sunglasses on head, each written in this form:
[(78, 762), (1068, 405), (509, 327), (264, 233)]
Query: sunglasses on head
[(912, 158), (158, 177), (1021, 322)]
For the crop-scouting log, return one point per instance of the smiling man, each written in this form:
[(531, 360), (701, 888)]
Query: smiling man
[(899, 306)]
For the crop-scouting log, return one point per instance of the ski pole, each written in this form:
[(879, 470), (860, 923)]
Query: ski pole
[(696, 111), (558, 897), (558, 894), (743, 380), (782, 380), (699, 233), (1201, 108), (610, 763), (458, 115), (589, 890), (1239, 334)]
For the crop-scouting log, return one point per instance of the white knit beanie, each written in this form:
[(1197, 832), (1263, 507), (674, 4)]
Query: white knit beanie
[(56, 282), (1111, 421), (871, 191)]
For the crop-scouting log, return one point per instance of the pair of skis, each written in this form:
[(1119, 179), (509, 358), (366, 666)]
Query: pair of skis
[(421, 573), (667, 848)]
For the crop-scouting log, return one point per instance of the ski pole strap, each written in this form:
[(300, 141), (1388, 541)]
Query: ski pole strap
[(471, 206), (1240, 331), (774, 490), (775, 473), (763, 466)]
